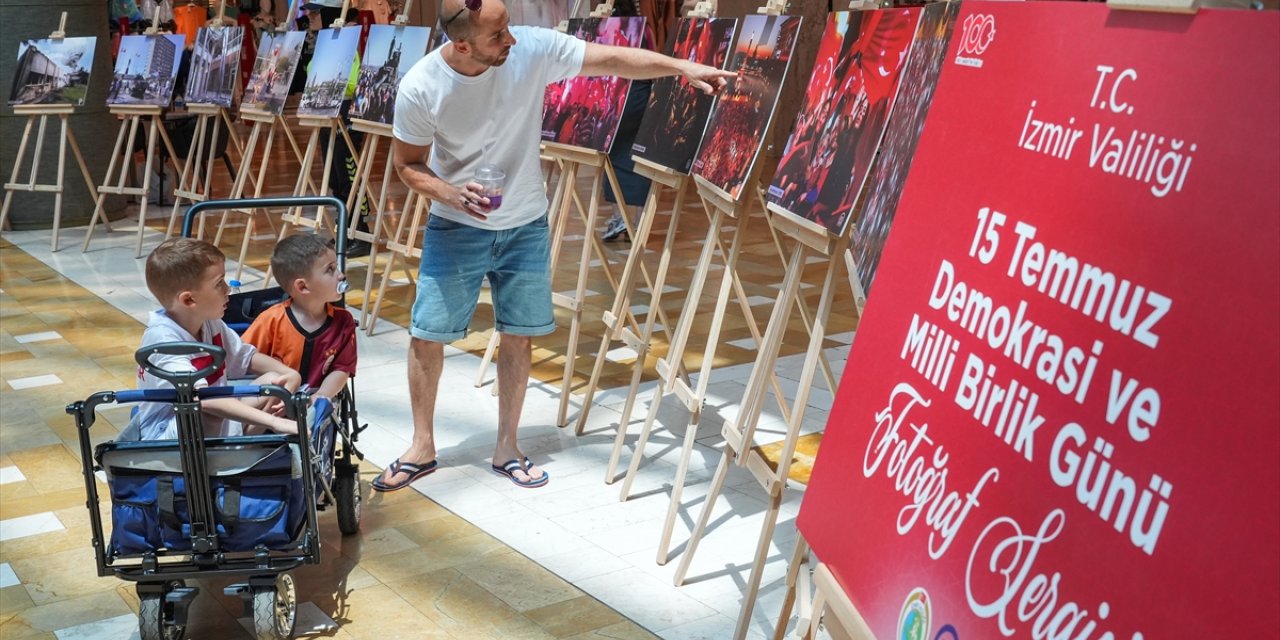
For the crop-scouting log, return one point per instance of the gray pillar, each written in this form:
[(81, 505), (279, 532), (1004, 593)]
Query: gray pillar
[(93, 127)]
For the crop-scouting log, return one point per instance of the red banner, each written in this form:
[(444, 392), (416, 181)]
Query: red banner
[(1060, 417)]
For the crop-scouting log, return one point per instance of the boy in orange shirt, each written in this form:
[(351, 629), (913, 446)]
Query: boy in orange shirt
[(307, 332)]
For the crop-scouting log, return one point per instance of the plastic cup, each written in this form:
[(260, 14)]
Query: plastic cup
[(491, 180)]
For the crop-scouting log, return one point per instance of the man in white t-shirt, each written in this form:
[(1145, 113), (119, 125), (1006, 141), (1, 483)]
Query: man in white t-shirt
[(478, 101)]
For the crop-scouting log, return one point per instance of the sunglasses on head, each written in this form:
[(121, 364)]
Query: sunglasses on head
[(468, 5)]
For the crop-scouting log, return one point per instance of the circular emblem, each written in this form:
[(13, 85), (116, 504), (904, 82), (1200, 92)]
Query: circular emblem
[(913, 622)]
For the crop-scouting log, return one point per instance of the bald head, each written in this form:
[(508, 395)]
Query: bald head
[(461, 23)]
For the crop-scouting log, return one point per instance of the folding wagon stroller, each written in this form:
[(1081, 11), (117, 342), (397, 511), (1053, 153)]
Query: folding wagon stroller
[(338, 484), (202, 507)]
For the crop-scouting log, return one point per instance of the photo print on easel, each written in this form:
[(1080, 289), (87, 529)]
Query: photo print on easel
[(215, 65), (843, 116), (329, 72), (584, 111), (273, 70), (52, 71), (743, 110), (915, 94), (389, 54), (677, 114), (146, 69)]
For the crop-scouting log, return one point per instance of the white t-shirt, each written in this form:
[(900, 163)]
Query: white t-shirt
[(157, 420), (495, 117)]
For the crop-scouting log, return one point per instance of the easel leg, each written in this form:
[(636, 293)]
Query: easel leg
[(126, 126), (675, 353), (717, 485), (375, 230), (757, 566), (57, 195), (146, 182), (799, 563), (646, 341), (575, 325), (190, 176)]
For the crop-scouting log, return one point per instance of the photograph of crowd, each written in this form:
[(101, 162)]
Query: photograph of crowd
[(584, 111), (52, 71), (745, 107), (215, 64), (329, 72), (843, 116), (273, 71), (389, 54), (146, 68), (915, 94), (677, 113)]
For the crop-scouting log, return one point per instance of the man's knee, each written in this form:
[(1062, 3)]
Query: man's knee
[(513, 342)]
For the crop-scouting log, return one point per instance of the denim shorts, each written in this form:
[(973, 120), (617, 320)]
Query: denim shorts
[(456, 258)]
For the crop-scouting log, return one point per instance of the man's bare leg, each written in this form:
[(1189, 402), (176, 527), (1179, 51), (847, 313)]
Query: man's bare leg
[(426, 361), (514, 359)]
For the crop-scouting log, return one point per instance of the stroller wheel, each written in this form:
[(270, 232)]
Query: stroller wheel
[(346, 490), (155, 616), (275, 609)]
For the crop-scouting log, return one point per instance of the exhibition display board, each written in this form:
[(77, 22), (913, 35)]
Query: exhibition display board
[(1059, 415), (584, 111)]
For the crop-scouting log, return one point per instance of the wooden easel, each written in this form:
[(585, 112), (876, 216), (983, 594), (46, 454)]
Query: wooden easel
[(572, 160), (260, 119), (196, 180), (375, 134), (773, 469), (117, 167), (403, 243), (43, 112), (615, 328), (660, 177), (718, 205), (304, 186)]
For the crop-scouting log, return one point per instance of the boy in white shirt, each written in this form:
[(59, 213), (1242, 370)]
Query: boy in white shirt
[(188, 278)]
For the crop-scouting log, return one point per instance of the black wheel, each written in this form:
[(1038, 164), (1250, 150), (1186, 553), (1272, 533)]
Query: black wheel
[(275, 610), (346, 490), (155, 616)]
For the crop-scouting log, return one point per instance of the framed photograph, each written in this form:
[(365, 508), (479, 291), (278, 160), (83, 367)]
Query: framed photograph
[(273, 71), (744, 109), (585, 111), (52, 71), (915, 94), (842, 118), (329, 72), (389, 54), (146, 68), (215, 64), (677, 114)]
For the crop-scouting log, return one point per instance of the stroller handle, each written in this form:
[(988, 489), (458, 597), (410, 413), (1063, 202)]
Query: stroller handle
[(188, 219), (180, 378)]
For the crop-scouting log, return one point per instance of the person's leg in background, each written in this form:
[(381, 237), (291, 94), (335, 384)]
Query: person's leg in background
[(635, 188)]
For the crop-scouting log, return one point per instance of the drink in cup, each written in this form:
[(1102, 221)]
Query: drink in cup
[(491, 180)]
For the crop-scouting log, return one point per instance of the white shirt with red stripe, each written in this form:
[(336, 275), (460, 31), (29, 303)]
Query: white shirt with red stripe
[(157, 420)]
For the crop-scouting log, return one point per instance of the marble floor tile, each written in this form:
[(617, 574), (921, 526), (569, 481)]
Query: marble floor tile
[(37, 337), (7, 577), (10, 474), (32, 525), (31, 382)]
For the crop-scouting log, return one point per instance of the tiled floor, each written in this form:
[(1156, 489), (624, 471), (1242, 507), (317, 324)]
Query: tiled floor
[(475, 557)]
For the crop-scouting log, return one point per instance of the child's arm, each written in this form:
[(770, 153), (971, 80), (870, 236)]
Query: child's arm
[(332, 385), (234, 409), (261, 364)]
